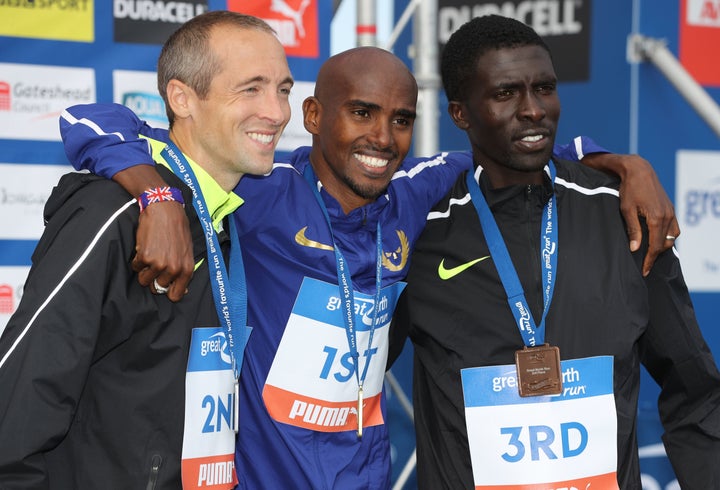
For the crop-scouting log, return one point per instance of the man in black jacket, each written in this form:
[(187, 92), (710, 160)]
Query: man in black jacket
[(529, 315), (92, 391)]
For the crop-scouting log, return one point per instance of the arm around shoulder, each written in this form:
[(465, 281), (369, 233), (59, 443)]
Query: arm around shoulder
[(107, 139), (641, 195)]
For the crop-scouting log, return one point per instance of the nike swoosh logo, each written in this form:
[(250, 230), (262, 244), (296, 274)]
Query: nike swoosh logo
[(446, 274), (301, 239)]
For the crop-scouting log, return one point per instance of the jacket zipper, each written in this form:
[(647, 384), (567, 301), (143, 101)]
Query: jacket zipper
[(154, 471)]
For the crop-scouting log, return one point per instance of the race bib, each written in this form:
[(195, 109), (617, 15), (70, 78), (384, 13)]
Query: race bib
[(559, 442), (208, 456), (312, 381)]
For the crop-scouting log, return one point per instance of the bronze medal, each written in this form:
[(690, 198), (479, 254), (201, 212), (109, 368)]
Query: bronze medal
[(538, 370)]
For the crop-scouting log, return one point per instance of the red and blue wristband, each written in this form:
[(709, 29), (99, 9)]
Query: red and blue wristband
[(159, 194)]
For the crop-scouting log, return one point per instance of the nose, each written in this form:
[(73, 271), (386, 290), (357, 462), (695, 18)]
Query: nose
[(276, 108), (531, 107), (381, 133)]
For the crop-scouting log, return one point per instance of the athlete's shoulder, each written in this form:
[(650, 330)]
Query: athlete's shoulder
[(414, 166), (88, 191), (584, 179)]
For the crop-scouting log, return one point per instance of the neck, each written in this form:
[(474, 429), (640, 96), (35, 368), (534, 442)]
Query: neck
[(500, 176), (341, 192), (226, 178)]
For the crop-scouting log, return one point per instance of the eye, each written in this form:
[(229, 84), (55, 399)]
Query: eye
[(547, 88), (364, 113), (402, 121), (285, 90), (504, 93)]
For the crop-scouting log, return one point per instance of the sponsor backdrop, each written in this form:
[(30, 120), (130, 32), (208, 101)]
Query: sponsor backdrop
[(56, 53)]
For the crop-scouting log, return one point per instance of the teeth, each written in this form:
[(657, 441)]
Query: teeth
[(371, 161), (262, 138), (532, 139)]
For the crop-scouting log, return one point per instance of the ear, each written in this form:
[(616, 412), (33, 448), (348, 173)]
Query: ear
[(311, 115), (457, 112), (180, 97)]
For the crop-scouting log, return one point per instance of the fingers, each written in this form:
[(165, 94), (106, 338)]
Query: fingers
[(633, 228), (179, 287), (164, 250), (662, 233), (174, 284)]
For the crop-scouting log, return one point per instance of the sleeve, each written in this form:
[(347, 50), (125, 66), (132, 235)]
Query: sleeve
[(49, 344), (399, 328), (577, 149), (106, 138), (676, 355), (422, 182)]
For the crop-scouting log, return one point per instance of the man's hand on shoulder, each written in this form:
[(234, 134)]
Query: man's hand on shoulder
[(163, 249), (163, 245), (641, 194)]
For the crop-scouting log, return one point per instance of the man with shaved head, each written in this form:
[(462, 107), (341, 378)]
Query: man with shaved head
[(341, 109), (326, 239)]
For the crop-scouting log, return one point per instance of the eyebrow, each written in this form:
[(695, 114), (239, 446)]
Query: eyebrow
[(372, 106), (517, 83), (263, 79)]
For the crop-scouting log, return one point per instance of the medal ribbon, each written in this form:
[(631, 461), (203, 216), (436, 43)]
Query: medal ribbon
[(532, 335), (229, 290), (348, 296)]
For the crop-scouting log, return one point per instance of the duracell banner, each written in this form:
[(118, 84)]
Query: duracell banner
[(563, 24), (152, 22)]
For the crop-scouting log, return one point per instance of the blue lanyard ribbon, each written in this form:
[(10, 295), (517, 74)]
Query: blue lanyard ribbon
[(346, 288), (532, 335), (229, 290)]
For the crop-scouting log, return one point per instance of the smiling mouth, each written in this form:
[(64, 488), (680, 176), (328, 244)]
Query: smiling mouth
[(532, 138), (372, 162), (261, 138)]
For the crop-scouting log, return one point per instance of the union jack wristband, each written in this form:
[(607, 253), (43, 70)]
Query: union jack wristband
[(158, 194)]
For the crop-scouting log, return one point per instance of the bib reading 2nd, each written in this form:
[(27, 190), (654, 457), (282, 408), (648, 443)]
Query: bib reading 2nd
[(215, 357), (555, 426)]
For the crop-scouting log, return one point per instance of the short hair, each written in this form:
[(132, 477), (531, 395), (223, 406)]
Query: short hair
[(186, 55), (472, 40)]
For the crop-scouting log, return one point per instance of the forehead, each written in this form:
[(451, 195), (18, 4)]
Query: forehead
[(391, 89), (518, 63), (249, 51)]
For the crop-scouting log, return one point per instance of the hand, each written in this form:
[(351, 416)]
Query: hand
[(164, 249), (163, 243), (641, 194)]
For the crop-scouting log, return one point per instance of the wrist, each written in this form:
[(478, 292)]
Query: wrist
[(159, 194)]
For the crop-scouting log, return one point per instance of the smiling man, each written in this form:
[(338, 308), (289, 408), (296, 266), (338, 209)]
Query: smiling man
[(104, 384), (528, 313)]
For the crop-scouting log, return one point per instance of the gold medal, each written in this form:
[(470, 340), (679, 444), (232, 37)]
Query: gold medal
[(538, 370)]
